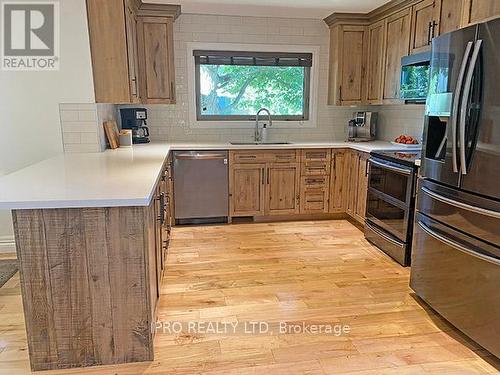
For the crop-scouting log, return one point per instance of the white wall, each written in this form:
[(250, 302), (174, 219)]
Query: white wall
[(29, 101)]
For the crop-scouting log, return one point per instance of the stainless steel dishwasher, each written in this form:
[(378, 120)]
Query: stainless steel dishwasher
[(201, 187)]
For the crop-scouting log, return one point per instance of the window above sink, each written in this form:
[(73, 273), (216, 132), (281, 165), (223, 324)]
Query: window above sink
[(234, 85), (230, 83)]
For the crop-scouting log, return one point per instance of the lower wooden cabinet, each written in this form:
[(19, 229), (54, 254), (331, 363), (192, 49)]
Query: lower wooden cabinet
[(247, 189), (282, 189), (362, 187), (338, 181), (320, 181), (357, 184)]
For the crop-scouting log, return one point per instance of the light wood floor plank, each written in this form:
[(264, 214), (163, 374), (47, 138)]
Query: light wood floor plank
[(316, 271)]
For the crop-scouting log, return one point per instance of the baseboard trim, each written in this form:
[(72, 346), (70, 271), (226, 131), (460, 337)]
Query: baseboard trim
[(7, 245)]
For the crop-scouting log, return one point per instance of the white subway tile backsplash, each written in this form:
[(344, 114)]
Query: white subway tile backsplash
[(171, 122)]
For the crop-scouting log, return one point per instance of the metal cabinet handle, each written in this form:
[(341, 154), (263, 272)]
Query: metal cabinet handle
[(464, 206), (200, 156), (390, 167), (458, 246), (464, 108), (263, 176), (383, 235), (429, 33)]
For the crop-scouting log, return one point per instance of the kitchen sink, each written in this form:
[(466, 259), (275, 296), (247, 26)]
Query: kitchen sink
[(260, 143)]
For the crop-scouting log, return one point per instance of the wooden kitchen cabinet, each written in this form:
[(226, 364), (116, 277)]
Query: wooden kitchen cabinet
[(156, 60), (478, 10), (423, 26), (362, 187), (315, 181), (247, 189), (338, 181), (132, 51), (375, 62), (448, 15), (348, 51), (397, 44), (108, 42), (282, 189), (356, 163)]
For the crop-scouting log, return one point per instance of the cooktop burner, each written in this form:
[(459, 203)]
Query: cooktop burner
[(403, 157)]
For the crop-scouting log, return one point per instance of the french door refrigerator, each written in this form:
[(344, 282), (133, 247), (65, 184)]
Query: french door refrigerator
[(456, 243)]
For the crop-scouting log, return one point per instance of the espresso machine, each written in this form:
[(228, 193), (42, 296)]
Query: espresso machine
[(362, 127), (135, 120)]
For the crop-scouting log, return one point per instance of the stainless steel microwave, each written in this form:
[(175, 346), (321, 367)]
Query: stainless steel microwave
[(415, 77)]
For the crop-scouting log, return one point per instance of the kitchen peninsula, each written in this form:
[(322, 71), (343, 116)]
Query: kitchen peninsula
[(91, 242)]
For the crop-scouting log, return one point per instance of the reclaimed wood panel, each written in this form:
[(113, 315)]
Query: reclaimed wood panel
[(85, 285)]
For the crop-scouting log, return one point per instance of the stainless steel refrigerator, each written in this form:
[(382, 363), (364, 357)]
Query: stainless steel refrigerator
[(456, 243)]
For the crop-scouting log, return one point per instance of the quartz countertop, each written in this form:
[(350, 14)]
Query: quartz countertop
[(121, 177)]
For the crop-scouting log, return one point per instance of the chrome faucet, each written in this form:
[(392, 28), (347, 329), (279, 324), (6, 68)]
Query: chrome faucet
[(259, 133)]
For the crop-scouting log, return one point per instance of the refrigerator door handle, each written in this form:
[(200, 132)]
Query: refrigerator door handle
[(456, 103), (464, 206), (458, 246), (464, 104)]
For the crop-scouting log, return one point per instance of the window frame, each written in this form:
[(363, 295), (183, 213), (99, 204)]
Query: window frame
[(189, 98), (305, 106)]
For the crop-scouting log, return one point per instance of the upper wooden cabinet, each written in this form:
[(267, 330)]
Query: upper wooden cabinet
[(348, 50), (366, 49), (375, 62), (448, 15), (423, 26), (478, 10), (126, 37), (156, 60), (397, 44), (108, 43)]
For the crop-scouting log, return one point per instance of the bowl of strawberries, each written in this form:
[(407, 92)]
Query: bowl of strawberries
[(406, 141)]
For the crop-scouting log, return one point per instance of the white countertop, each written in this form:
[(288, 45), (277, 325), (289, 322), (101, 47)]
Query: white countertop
[(121, 177)]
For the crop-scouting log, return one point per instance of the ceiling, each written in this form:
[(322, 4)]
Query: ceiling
[(275, 8)]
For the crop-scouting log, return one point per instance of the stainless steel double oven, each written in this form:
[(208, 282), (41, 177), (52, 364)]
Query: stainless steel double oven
[(391, 203)]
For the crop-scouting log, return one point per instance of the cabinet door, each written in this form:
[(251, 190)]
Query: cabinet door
[(282, 194), (479, 10), (448, 14), (108, 44), (247, 189), (397, 46), (422, 26), (133, 57), (156, 58), (338, 182), (352, 181), (375, 62), (347, 65), (362, 187)]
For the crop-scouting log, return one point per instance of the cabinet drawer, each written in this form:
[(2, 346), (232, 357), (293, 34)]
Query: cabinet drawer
[(315, 182), (315, 168), (316, 155), (314, 201), (282, 156), (270, 156)]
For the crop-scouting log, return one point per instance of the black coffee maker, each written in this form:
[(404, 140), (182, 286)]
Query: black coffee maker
[(135, 120)]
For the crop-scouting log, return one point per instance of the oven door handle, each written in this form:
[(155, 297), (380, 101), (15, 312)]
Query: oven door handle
[(383, 235), (389, 167), (456, 245)]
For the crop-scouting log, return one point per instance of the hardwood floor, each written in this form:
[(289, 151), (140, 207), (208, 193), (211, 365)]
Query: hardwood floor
[(320, 272)]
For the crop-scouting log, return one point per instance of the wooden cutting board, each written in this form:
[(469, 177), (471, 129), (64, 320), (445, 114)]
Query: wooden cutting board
[(111, 129)]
